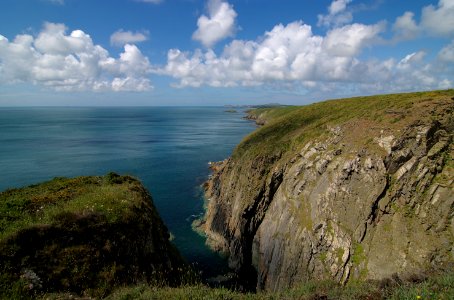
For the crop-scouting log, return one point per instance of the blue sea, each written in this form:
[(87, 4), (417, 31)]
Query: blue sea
[(167, 148)]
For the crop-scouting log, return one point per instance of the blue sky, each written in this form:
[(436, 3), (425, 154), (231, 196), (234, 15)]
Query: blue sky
[(216, 52)]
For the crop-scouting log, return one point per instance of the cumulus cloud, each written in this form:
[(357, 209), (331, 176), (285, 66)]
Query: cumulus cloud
[(218, 25), (411, 59), (351, 39), (439, 20), (71, 62), (60, 2), (405, 26), (121, 37), (286, 53), (293, 55), (412, 69), (338, 14), (435, 21), (447, 53), (151, 1)]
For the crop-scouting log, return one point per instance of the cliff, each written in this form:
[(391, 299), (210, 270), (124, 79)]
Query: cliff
[(83, 236), (350, 189)]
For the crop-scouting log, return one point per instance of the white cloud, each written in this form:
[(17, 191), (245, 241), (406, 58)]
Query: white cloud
[(405, 27), (435, 21), (351, 39), (411, 59), (338, 6), (337, 14), (151, 1), (292, 55), (71, 62), (439, 20), (218, 25), (60, 2), (286, 53), (121, 37), (130, 84), (412, 69), (447, 53)]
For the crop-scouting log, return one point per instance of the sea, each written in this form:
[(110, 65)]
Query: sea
[(167, 148)]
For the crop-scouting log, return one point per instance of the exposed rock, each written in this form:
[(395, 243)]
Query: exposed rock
[(385, 142), (340, 211)]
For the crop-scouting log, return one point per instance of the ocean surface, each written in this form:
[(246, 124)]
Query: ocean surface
[(167, 148)]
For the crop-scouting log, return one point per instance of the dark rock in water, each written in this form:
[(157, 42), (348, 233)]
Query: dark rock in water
[(84, 235)]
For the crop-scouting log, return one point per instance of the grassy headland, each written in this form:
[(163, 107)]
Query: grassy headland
[(84, 235), (289, 127)]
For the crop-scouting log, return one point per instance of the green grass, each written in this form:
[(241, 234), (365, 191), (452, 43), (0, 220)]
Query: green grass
[(84, 235), (361, 120), (436, 287), (41, 204), (358, 255), (288, 128), (114, 198)]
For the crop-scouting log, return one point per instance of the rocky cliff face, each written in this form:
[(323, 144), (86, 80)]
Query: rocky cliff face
[(367, 197)]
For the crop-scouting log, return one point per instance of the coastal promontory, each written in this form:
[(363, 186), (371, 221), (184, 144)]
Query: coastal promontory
[(83, 236), (346, 190)]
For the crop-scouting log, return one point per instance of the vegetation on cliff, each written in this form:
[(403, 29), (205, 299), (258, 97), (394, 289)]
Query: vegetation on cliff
[(101, 237), (344, 199), (290, 127), (349, 189), (434, 287), (85, 236)]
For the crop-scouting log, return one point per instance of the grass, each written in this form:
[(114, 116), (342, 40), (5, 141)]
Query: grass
[(436, 287), (106, 206), (361, 120), (41, 204), (358, 255), (84, 235), (288, 128), (444, 178)]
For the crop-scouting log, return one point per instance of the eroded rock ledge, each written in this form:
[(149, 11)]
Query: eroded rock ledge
[(369, 196)]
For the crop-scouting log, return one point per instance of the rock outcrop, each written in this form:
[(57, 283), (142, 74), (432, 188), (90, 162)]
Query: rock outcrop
[(84, 236), (355, 194)]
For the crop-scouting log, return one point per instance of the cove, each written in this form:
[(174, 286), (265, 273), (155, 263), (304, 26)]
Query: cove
[(167, 148)]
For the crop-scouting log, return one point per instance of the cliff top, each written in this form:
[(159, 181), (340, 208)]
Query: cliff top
[(361, 118), (85, 236), (42, 204)]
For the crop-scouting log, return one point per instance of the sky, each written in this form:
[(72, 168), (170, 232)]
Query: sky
[(217, 52)]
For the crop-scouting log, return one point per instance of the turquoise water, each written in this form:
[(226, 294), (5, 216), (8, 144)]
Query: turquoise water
[(168, 148)]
